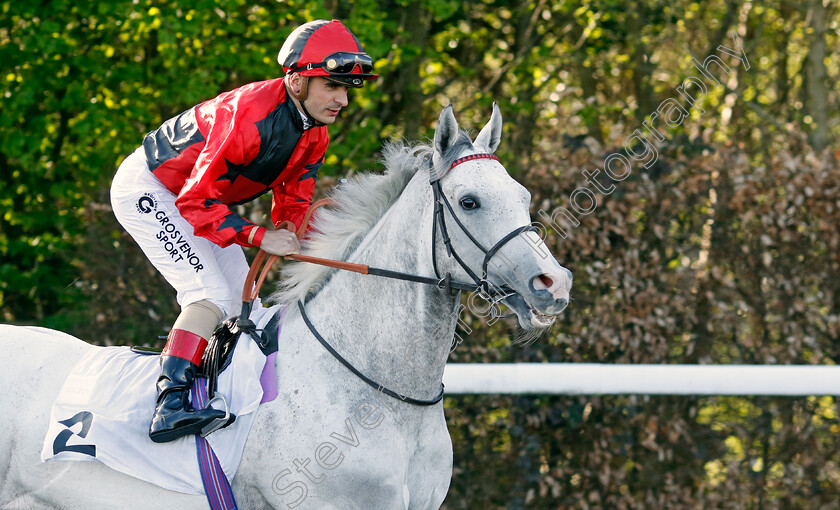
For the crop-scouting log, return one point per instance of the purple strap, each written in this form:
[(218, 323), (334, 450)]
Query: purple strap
[(216, 485), (268, 378)]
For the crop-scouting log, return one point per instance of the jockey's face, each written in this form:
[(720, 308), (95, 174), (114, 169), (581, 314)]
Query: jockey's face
[(324, 99)]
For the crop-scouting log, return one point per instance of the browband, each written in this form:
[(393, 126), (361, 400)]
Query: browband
[(472, 157)]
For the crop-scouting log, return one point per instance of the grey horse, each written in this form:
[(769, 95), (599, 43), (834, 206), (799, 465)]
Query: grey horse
[(330, 440)]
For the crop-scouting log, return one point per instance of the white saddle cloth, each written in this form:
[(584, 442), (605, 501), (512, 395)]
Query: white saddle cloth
[(104, 409)]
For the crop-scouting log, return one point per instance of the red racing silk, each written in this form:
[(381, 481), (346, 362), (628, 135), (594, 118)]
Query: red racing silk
[(232, 149)]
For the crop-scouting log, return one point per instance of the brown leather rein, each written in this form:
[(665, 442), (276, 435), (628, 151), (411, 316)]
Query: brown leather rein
[(252, 285)]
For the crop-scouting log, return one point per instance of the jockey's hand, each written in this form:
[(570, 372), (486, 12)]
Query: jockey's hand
[(280, 242)]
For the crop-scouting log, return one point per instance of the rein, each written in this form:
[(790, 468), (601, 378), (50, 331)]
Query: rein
[(370, 382), (480, 283), (254, 284)]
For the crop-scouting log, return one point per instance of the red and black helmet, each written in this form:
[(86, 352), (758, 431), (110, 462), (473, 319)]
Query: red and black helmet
[(328, 49)]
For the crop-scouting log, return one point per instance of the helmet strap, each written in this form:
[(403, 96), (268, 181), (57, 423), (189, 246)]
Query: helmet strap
[(301, 98), (312, 120)]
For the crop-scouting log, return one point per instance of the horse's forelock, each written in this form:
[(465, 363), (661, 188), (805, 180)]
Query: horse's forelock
[(462, 144)]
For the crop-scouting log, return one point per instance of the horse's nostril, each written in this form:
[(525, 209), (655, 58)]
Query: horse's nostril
[(546, 280)]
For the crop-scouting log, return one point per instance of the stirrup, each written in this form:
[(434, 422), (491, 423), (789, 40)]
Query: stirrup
[(218, 423)]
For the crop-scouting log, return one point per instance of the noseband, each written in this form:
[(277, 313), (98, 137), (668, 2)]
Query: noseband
[(488, 289)]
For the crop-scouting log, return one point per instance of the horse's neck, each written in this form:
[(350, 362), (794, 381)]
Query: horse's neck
[(396, 332)]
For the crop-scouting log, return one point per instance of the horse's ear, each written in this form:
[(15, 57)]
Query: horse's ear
[(446, 132), (491, 134)]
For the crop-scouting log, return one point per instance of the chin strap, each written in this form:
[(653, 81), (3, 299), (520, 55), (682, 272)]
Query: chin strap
[(308, 121)]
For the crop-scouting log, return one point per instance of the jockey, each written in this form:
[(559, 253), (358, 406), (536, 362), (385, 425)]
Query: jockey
[(175, 194)]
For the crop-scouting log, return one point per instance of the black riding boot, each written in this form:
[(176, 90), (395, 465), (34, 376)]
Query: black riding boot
[(174, 417)]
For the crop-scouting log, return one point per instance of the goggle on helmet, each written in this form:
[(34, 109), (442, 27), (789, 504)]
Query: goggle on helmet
[(327, 49)]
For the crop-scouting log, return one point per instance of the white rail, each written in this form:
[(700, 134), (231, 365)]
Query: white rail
[(622, 379)]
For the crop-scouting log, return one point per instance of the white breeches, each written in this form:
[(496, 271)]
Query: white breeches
[(196, 267)]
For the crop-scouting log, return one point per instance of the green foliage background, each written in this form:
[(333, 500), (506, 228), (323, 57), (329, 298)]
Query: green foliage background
[(724, 251)]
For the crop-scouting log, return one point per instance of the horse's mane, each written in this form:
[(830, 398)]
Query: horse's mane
[(358, 204)]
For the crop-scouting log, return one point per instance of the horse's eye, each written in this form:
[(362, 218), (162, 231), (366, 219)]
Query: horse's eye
[(469, 203)]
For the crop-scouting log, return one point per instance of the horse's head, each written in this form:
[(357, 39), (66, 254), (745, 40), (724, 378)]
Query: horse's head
[(485, 215)]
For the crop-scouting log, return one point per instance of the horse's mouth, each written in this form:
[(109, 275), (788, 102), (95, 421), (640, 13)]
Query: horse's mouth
[(529, 317), (541, 320)]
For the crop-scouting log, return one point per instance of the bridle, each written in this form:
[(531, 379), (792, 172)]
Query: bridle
[(480, 283)]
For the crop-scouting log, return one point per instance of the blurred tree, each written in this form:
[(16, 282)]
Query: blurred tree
[(816, 74)]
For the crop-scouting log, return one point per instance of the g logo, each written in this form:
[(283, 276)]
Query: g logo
[(146, 204)]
